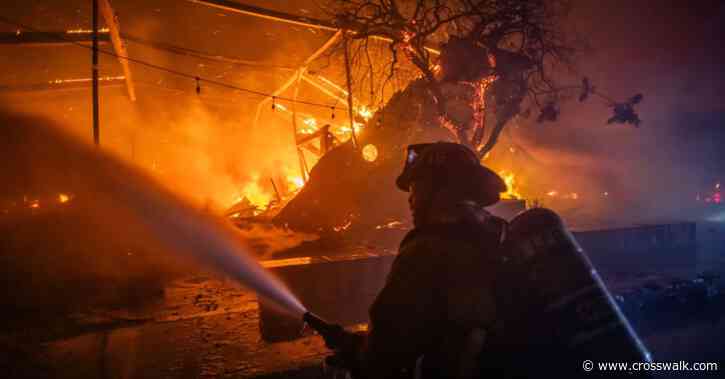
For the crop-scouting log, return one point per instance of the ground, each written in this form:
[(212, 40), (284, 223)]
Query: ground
[(206, 327)]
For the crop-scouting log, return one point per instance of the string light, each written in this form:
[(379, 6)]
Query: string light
[(166, 69)]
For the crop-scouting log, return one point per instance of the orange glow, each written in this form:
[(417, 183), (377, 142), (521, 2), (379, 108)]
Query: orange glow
[(295, 183), (365, 113), (85, 80), (343, 227), (85, 31), (255, 194), (512, 191), (370, 153), (63, 198), (310, 126)]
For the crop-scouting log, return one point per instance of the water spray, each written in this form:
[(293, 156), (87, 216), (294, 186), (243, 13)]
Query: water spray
[(105, 180)]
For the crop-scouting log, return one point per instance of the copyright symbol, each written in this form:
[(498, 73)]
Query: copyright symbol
[(588, 365)]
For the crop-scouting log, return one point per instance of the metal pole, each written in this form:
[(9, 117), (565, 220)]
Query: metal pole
[(96, 131), (350, 110)]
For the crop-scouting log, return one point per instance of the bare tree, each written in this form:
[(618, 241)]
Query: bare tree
[(496, 56)]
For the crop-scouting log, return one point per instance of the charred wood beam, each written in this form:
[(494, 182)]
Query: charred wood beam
[(342, 100), (348, 79), (297, 75), (312, 149), (51, 38), (114, 29)]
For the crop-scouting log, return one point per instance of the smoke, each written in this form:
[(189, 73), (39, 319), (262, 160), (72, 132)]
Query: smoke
[(623, 175), (111, 194)]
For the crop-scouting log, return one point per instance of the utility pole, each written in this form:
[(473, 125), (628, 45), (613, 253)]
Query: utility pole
[(96, 131)]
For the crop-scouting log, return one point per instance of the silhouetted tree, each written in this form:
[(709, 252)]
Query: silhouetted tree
[(494, 55)]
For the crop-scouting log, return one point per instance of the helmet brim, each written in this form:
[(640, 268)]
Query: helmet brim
[(484, 183)]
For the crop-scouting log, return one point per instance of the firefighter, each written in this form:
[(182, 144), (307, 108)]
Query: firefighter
[(471, 296), (432, 315)]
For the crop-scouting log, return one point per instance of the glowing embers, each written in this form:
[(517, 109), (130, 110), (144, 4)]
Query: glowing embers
[(33, 204), (567, 195), (365, 112), (63, 198), (370, 153), (85, 31), (343, 227)]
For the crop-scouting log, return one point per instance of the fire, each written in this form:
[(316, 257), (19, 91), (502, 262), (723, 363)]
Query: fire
[(295, 183), (568, 196), (310, 126), (365, 113), (63, 198), (255, 194), (511, 188), (345, 132)]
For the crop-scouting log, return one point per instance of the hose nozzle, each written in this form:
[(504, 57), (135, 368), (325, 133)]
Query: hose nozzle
[(331, 333)]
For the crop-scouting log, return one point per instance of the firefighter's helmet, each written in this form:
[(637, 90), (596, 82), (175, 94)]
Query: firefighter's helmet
[(451, 164)]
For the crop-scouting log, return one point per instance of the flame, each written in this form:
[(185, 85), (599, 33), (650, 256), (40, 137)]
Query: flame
[(310, 126), (365, 113), (255, 194), (35, 204), (295, 183), (511, 188), (63, 198), (552, 193)]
